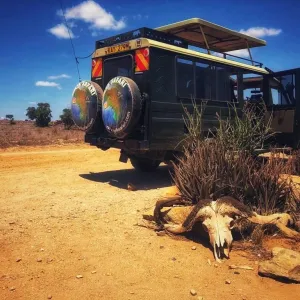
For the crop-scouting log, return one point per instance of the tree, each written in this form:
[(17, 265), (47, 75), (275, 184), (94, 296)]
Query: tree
[(66, 118), (43, 114), (9, 117), (31, 113)]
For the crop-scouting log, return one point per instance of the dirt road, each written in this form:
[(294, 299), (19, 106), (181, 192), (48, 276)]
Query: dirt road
[(66, 211)]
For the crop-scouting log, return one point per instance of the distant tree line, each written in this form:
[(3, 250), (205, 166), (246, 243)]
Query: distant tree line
[(42, 115)]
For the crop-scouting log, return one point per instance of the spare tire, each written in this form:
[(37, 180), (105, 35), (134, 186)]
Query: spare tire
[(86, 102), (121, 106)]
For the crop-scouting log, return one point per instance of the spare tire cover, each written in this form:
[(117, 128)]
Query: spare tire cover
[(86, 102), (121, 106)]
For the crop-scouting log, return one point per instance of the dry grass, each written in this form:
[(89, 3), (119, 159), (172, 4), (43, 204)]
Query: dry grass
[(27, 134), (226, 164)]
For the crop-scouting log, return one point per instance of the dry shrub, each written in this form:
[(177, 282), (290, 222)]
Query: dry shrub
[(225, 165), (248, 133), (210, 170)]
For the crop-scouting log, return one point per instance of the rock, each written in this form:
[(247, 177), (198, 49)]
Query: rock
[(94, 272), (227, 281), (39, 260), (285, 264), (18, 259), (49, 297), (12, 288), (193, 292), (209, 262), (131, 187), (200, 298), (79, 276), (161, 233), (161, 247), (194, 248)]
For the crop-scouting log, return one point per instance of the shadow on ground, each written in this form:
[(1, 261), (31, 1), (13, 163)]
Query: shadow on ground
[(141, 180)]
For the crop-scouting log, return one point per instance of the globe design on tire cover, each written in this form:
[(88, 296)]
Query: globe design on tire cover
[(86, 100), (117, 105)]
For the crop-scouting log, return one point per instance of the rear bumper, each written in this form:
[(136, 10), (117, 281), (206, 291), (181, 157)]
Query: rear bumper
[(106, 143)]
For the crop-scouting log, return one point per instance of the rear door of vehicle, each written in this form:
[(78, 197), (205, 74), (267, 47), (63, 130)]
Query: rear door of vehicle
[(283, 103)]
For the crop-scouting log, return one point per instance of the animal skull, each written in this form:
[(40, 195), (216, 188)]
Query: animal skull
[(219, 231)]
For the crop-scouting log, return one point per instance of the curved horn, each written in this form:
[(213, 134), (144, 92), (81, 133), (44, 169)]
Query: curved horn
[(200, 211), (232, 207), (166, 202)]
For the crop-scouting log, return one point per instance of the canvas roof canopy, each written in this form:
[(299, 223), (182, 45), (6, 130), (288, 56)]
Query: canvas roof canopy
[(205, 34)]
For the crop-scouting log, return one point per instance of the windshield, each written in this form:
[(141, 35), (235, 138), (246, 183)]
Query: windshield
[(118, 66)]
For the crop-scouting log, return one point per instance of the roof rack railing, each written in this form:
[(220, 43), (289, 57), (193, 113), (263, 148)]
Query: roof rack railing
[(253, 62)]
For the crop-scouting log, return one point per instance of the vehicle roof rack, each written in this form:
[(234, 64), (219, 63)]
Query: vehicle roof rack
[(143, 32), (210, 36)]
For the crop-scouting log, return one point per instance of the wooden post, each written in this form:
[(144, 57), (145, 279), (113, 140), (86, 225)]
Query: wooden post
[(204, 37), (249, 52)]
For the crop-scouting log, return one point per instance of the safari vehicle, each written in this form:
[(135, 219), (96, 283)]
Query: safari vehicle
[(140, 81)]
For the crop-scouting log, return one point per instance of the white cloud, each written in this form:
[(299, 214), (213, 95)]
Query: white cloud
[(48, 84), (240, 53), (32, 103), (94, 33), (92, 13), (61, 31), (260, 32), (54, 77)]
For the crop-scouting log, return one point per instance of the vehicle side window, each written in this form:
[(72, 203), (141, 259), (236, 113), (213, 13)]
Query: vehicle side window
[(206, 81), (220, 82), (283, 90), (185, 78), (203, 75)]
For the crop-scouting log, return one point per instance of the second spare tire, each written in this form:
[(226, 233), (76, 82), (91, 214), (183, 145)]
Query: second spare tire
[(121, 106)]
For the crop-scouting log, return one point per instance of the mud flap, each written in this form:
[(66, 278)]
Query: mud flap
[(123, 157)]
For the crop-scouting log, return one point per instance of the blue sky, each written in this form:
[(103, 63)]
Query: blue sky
[(36, 60)]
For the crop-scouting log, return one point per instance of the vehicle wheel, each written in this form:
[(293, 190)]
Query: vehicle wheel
[(144, 164)]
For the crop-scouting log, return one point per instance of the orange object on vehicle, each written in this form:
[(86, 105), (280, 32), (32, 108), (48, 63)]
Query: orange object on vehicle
[(141, 60), (96, 67)]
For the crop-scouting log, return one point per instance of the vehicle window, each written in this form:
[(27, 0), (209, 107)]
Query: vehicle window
[(285, 90), (220, 84), (234, 87), (202, 73), (119, 66), (185, 78), (252, 86)]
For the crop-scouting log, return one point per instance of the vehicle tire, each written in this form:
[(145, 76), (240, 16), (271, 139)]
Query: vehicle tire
[(121, 106), (86, 102), (144, 164)]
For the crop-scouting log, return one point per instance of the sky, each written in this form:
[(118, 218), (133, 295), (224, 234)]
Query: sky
[(36, 59)]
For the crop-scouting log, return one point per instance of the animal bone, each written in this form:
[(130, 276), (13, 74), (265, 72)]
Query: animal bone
[(217, 217)]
